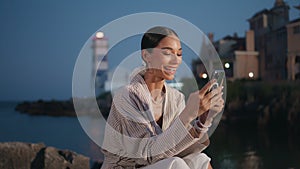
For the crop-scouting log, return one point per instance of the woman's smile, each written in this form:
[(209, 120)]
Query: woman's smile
[(170, 69)]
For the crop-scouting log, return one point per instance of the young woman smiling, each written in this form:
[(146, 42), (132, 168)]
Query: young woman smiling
[(149, 125)]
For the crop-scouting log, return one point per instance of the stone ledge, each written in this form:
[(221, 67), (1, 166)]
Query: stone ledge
[(18, 155)]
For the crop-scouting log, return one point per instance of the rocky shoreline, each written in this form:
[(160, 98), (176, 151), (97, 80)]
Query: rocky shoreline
[(20, 155)]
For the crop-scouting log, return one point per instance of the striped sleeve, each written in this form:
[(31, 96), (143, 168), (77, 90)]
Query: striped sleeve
[(132, 142)]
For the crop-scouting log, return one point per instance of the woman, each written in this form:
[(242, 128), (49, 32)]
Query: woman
[(149, 125)]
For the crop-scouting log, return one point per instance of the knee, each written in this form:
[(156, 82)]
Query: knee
[(178, 160), (178, 163), (198, 160)]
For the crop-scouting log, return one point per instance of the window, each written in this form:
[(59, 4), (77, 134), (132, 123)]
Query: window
[(296, 29), (297, 76), (297, 60)]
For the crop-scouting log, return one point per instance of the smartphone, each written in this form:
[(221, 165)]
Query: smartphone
[(219, 75)]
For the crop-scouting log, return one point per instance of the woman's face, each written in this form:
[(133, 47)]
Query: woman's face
[(165, 58)]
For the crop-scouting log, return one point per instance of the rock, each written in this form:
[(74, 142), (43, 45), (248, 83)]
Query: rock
[(51, 158), (16, 155), (97, 164)]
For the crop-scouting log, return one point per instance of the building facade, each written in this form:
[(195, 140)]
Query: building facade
[(270, 31), (270, 51), (293, 50), (239, 56)]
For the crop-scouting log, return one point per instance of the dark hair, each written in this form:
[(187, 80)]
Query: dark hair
[(154, 35)]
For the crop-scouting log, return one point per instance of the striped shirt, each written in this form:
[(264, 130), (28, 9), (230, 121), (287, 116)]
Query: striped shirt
[(133, 139)]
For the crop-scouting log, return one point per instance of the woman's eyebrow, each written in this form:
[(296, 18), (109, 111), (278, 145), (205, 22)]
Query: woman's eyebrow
[(169, 48)]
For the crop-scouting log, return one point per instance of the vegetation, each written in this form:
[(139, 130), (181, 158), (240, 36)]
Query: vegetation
[(269, 104)]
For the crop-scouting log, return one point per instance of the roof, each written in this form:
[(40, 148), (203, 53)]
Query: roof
[(294, 21), (297, 7), (239, 43), (279, 3), (264, 11)]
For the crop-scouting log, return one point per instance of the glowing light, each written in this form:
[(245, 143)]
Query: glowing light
[(99, 34), (227, 65), (204, 75), (251, 74)]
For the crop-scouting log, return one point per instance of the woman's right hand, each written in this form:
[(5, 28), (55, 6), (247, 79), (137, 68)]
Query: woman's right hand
[(200, 102)]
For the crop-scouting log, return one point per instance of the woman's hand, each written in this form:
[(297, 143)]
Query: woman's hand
[(203, 101), (211, 102), (216, 107)]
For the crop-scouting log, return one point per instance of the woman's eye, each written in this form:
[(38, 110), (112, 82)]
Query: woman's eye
[(179, 54), (167, 53)]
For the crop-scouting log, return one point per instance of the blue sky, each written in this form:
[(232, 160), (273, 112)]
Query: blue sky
[(40, 40)]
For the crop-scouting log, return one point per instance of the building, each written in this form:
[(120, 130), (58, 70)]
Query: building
[(270, 50), (270, 32), (226, 48), (100, 62), (238, 56), (245, 62), (293, 49), (240, 60)]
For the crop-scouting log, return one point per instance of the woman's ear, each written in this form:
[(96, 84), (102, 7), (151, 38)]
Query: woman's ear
[(145, 55)]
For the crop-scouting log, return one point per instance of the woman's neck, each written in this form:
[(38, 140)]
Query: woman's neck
[(154, 84)]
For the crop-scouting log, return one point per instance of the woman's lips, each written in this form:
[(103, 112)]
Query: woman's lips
[(170, 70)]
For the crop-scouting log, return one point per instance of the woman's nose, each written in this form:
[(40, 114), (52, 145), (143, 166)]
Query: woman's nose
[(175, 59)]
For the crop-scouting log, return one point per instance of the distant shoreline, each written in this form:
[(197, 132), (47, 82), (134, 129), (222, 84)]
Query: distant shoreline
[(65, 108), (266, 104), (49, 108)]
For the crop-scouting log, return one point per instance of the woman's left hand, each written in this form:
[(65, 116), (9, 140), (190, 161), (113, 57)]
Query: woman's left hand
[(211, 102)]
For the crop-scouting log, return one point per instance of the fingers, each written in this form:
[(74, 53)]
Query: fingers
[(222, 82), (206, 104), (212, 96), (217, 102), (216, 97), (216, 109), (206, 87), (214, 93), (211, 101)]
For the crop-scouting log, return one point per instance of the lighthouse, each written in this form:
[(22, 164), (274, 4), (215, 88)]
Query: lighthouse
[(100, 62)]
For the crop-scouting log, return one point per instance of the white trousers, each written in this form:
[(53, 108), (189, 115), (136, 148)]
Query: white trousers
[(192, 161)]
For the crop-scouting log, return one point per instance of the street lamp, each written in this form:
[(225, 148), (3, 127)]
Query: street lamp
[(227, 65), (204, 75), (251, 74)]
